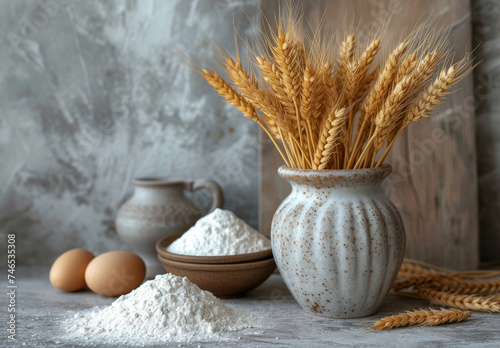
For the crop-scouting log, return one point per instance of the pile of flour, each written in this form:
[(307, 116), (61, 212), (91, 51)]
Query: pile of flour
[(220, 233), (166, 309)]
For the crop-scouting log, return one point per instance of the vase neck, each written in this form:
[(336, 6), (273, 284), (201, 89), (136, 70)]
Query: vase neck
[(337, 191), (358, 180)]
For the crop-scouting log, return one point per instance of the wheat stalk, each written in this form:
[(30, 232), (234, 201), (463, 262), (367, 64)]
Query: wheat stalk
[(429, 317)]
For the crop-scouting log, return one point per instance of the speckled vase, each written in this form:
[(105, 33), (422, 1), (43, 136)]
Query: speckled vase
[(338, 240)]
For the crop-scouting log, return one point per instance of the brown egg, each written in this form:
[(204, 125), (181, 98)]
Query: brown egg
[(115, 273), (68, 271)]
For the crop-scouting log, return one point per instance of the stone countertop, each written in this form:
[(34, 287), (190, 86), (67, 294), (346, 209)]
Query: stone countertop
[(41, 308)]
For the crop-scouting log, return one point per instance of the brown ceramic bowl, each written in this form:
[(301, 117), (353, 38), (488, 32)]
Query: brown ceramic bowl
[(222, 280), (162, 245)]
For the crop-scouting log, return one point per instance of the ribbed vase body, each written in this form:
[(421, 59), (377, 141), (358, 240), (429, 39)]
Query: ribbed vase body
[(338, 240)]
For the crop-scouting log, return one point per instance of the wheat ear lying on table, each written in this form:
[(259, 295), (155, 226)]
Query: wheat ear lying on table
[(467, 287), (474, 303), (414, 281), (458, 290), (429, 317), (408, 268)]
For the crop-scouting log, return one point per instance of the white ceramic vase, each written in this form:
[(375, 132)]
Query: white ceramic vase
[(338, 240)]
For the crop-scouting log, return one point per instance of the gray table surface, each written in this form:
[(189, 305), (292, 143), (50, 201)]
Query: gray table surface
[(41, 308)]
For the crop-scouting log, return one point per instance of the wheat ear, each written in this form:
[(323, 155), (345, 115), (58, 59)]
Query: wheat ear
[(429, 317), (431, 98), (356, 73), (407, 66), (346, 56), (287, 59), (306, 93), (230, 95), (443, 298), (495, 298), (389, 116), (379, 92), (329, 138), (445, 316), (386, 121), (249, 88), (272, 76), (307, 106), (414, 281), (322, 92), (437, 90), (234, 98), (359, 77), (449, 283), (412, 269), (375, 99), (328, 94), (467, 287)]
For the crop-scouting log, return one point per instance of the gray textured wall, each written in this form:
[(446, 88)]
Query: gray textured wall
[(486, 29), (91, 97)]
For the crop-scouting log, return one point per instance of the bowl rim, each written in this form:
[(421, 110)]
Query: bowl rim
[(221, 267), (163, 243)]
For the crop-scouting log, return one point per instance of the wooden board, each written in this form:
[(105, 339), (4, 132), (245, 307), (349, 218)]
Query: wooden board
[(434, 183)]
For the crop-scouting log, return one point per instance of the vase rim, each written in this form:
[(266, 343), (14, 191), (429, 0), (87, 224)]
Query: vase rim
[(338, 171), (335, 177)]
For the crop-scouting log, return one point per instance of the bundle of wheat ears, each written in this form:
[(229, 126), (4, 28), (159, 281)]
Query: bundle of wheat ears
[(462, 291), (326, 100)]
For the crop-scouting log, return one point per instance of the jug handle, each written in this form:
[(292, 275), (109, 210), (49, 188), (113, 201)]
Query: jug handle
[(213, 187)]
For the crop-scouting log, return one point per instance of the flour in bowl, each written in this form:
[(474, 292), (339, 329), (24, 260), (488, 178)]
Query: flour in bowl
[(220, 233), (166, 309)]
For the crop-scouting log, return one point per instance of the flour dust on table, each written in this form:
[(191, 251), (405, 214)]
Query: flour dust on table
[(166, 309), (220, 233)]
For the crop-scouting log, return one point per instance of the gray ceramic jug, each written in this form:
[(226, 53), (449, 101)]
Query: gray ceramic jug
[(159, 208)]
